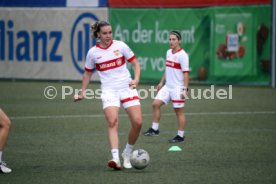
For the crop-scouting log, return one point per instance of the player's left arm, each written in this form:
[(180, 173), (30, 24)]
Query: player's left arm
[(137, 71), (185, 68), (128, 53), (186, 80)]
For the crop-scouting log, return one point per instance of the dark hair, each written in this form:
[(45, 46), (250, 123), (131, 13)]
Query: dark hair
[(177, 34), (96, 27)]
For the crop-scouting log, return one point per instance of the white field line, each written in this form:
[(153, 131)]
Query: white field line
[(148, 114)]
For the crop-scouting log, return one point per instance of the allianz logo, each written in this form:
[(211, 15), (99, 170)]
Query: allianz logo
[(29, 46), (110, 64), (81, 40)]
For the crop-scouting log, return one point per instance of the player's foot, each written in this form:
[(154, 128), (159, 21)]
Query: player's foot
[(177, 139), (115, 164), (151, 132), (126, 163), (4, 169)]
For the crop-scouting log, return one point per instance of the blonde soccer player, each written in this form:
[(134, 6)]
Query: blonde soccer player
[(108, 57)]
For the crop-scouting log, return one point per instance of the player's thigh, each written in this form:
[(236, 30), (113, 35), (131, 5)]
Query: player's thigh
[(110, 98), (4, 119), (163, 95), (129, 97)]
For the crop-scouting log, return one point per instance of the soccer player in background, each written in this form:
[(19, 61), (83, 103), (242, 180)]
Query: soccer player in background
[(5, 125), (172, 87), (108, 57)]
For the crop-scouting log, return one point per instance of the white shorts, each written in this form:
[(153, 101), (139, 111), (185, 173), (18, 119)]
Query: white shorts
[(175, 95), (127, 97)]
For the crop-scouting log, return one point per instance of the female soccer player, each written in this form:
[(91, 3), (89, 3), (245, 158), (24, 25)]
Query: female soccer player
[(109, 58), (5, 125), (175, 89)]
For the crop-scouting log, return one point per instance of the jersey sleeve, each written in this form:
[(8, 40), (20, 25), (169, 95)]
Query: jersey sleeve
[(184, 62), (89, 63), (127, 52)]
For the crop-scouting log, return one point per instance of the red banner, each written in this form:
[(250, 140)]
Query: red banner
[(182, 3)]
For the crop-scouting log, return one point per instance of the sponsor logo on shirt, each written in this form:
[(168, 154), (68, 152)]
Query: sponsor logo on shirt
[(173, 64), (110, 64)]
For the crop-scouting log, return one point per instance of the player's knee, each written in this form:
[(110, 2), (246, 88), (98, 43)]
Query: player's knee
[(6, 124), (112, 122), (138, 122), (9, 124), (155, 104)]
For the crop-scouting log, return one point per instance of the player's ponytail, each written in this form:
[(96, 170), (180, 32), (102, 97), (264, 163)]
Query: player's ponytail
[(96, 27)]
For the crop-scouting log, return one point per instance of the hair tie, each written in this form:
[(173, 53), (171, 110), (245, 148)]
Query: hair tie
[(177, 34), (94, 26)]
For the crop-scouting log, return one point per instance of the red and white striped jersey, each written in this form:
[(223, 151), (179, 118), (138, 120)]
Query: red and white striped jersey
[(176, 65), (110, 64)]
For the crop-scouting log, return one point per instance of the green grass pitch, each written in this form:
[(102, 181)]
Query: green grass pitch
[(58, 141)]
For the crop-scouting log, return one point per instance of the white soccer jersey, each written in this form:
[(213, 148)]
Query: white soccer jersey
[(110, 64), (176, 65)]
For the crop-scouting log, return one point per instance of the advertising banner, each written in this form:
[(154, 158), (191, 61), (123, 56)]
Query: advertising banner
[(181, 3), (224, 44), (53, 3), (46, 43), (147, 33), (240, 45), (233, 42)]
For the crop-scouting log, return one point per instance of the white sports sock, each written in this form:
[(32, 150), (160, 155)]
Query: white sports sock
[(115, 153), (180, 133), (1, 156), (155, 125), (128, 149)]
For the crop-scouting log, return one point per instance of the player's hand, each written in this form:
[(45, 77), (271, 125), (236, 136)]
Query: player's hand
[(133, 84), (184, 94), (78, 98)]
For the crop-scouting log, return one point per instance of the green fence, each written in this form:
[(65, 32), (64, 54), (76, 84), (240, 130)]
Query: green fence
[(225, 44)]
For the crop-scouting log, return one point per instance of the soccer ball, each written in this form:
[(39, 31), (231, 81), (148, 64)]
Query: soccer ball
[(139, 159)]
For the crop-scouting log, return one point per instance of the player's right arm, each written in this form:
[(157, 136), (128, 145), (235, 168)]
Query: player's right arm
[(163, 79), (89, 66), (161, 83), (85, 81)]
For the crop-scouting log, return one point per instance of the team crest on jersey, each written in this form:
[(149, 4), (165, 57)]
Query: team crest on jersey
[(116, 52)]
